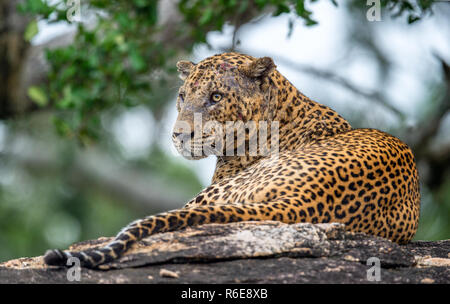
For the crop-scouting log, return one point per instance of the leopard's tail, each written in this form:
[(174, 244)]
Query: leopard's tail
[(91, 258), (169, 221)]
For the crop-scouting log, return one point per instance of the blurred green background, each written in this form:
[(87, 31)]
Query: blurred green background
[(87, 94)]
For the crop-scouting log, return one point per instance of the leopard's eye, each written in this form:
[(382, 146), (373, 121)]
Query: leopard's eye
[(215, 98), (181, 96)]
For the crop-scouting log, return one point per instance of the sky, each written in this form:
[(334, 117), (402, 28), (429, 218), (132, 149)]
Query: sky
[(322, 46)]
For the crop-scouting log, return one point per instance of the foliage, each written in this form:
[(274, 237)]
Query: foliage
[(414, 10)]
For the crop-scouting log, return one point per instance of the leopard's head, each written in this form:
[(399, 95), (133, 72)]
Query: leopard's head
[(221, 90)]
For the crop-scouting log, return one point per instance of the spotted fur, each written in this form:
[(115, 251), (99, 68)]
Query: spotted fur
[(325, 171)]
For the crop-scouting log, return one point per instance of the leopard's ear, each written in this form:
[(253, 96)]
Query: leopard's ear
[(258, 67), (185, 68)]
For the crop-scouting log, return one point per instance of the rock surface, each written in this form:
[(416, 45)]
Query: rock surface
[(253, 252)]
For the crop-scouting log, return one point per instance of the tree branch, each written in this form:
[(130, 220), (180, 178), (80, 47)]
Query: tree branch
[(430, 127)]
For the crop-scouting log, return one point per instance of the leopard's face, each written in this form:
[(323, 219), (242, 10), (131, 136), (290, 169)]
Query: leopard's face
[(218, 92)]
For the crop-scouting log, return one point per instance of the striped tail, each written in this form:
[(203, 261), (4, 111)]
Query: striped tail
[(174, 220), (91, 258)]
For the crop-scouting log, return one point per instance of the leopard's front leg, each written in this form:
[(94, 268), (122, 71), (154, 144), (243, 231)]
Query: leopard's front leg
[(282, 211)]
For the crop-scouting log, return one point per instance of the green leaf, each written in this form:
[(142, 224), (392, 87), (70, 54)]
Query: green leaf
[(300, 7), (412, 19), (67, 100), (281, 8), (206, 17), (140, 3), (243, 6), (38, 95), (311, 22), (62, 127), (31, 30), (136, 60), (261, 3)]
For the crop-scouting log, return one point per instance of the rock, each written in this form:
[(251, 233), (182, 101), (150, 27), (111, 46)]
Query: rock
[(252, 252)]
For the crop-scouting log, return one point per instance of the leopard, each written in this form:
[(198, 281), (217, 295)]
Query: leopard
[(319, 170)]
